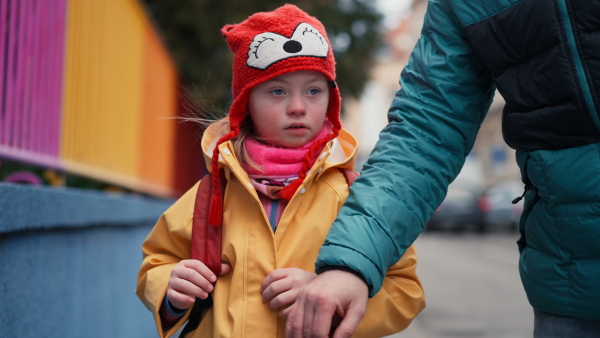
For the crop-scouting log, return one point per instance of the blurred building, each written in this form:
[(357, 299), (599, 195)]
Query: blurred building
[(491, 159), (89, 98)]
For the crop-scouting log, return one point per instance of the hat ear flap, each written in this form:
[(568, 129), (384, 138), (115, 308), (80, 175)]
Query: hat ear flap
[(226, 29), (233, 36)]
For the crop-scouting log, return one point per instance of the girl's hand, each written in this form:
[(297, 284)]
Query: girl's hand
[(189, 279), (281, 286)]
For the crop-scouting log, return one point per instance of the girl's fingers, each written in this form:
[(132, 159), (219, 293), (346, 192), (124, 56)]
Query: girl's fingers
[(274, 276), (283, 299), (274, 283), (225, 268), (275, 288), (180, 300), (284, 281), (188, 288), (199, 267), (194, 278), (191, 279)]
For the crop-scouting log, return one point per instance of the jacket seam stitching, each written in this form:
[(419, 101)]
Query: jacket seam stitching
[(410, 209), (429, 141), (188, 223), (586, 69), (402, 202), (325, 180), (440, 111), (429, 32), (494, 14), (352, 249)]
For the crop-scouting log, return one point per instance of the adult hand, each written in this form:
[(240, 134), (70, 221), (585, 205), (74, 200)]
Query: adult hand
[(281, 286), (189, 279), (330, 293)]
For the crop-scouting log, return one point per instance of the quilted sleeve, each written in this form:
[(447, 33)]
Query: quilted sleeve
[(433, 120)]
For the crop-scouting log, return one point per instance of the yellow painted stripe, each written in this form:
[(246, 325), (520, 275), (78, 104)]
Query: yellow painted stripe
[(118, 79), (159, 104)]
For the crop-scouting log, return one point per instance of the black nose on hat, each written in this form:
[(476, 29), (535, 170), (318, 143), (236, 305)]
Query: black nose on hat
[(292, 46)]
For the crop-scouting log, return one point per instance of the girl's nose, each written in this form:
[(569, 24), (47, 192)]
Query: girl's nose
[(296, 105)]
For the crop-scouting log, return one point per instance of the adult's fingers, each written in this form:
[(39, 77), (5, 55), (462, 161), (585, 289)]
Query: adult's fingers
[(318, 314), (310, 317), (295, 321), (350, 321), (286, 312), (330, 292)]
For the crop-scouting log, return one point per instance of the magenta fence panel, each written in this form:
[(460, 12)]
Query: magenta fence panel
[(9, 74), (55, 71), (3, 56), (32, 41)]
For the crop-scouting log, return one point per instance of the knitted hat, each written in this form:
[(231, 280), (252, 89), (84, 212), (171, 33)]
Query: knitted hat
[(266, 45)]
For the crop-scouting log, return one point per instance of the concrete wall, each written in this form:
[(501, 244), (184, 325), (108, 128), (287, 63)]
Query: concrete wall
[(69, 260)]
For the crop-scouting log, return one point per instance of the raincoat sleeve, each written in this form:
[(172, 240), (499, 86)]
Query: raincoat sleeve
[(398, 301), (433, 120), (166, 245)]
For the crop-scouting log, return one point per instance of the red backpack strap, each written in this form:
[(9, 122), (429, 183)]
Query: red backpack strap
[(206, 240), (349, 175)]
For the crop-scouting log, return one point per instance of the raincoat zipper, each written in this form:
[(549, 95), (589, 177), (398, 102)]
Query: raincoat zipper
[(578, 64), (273, 215)]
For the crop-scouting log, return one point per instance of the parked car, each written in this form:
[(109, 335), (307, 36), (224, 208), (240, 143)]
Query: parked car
[(496, 203), (459, 211)]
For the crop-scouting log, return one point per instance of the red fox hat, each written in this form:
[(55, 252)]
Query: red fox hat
[(266, 45)]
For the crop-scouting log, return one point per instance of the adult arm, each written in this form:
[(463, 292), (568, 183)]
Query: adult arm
[(433, 120), (390, 311)]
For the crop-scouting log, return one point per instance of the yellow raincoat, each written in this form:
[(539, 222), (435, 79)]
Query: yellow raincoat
[(253, 250)]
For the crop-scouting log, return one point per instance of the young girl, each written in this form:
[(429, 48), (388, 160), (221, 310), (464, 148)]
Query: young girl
[(283, 152)]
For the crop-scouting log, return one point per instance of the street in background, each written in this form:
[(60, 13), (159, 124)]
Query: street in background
[(472, 287), (499, 212), (468, 205)]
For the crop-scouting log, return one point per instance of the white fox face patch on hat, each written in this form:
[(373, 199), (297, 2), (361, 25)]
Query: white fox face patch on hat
[(269, 48)]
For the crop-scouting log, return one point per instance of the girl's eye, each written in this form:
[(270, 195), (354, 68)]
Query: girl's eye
[(314, 91), (277, 92)]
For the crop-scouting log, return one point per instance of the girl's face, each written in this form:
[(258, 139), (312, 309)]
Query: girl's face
[(289, 111)]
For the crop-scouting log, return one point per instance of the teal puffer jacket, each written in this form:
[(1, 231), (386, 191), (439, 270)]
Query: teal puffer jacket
[(560, 230), (544, 57)]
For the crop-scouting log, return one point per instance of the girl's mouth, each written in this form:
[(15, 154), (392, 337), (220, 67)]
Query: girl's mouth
[(296, 130)]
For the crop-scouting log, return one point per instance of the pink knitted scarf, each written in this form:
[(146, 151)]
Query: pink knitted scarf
[(280, 163), (280, 167)]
